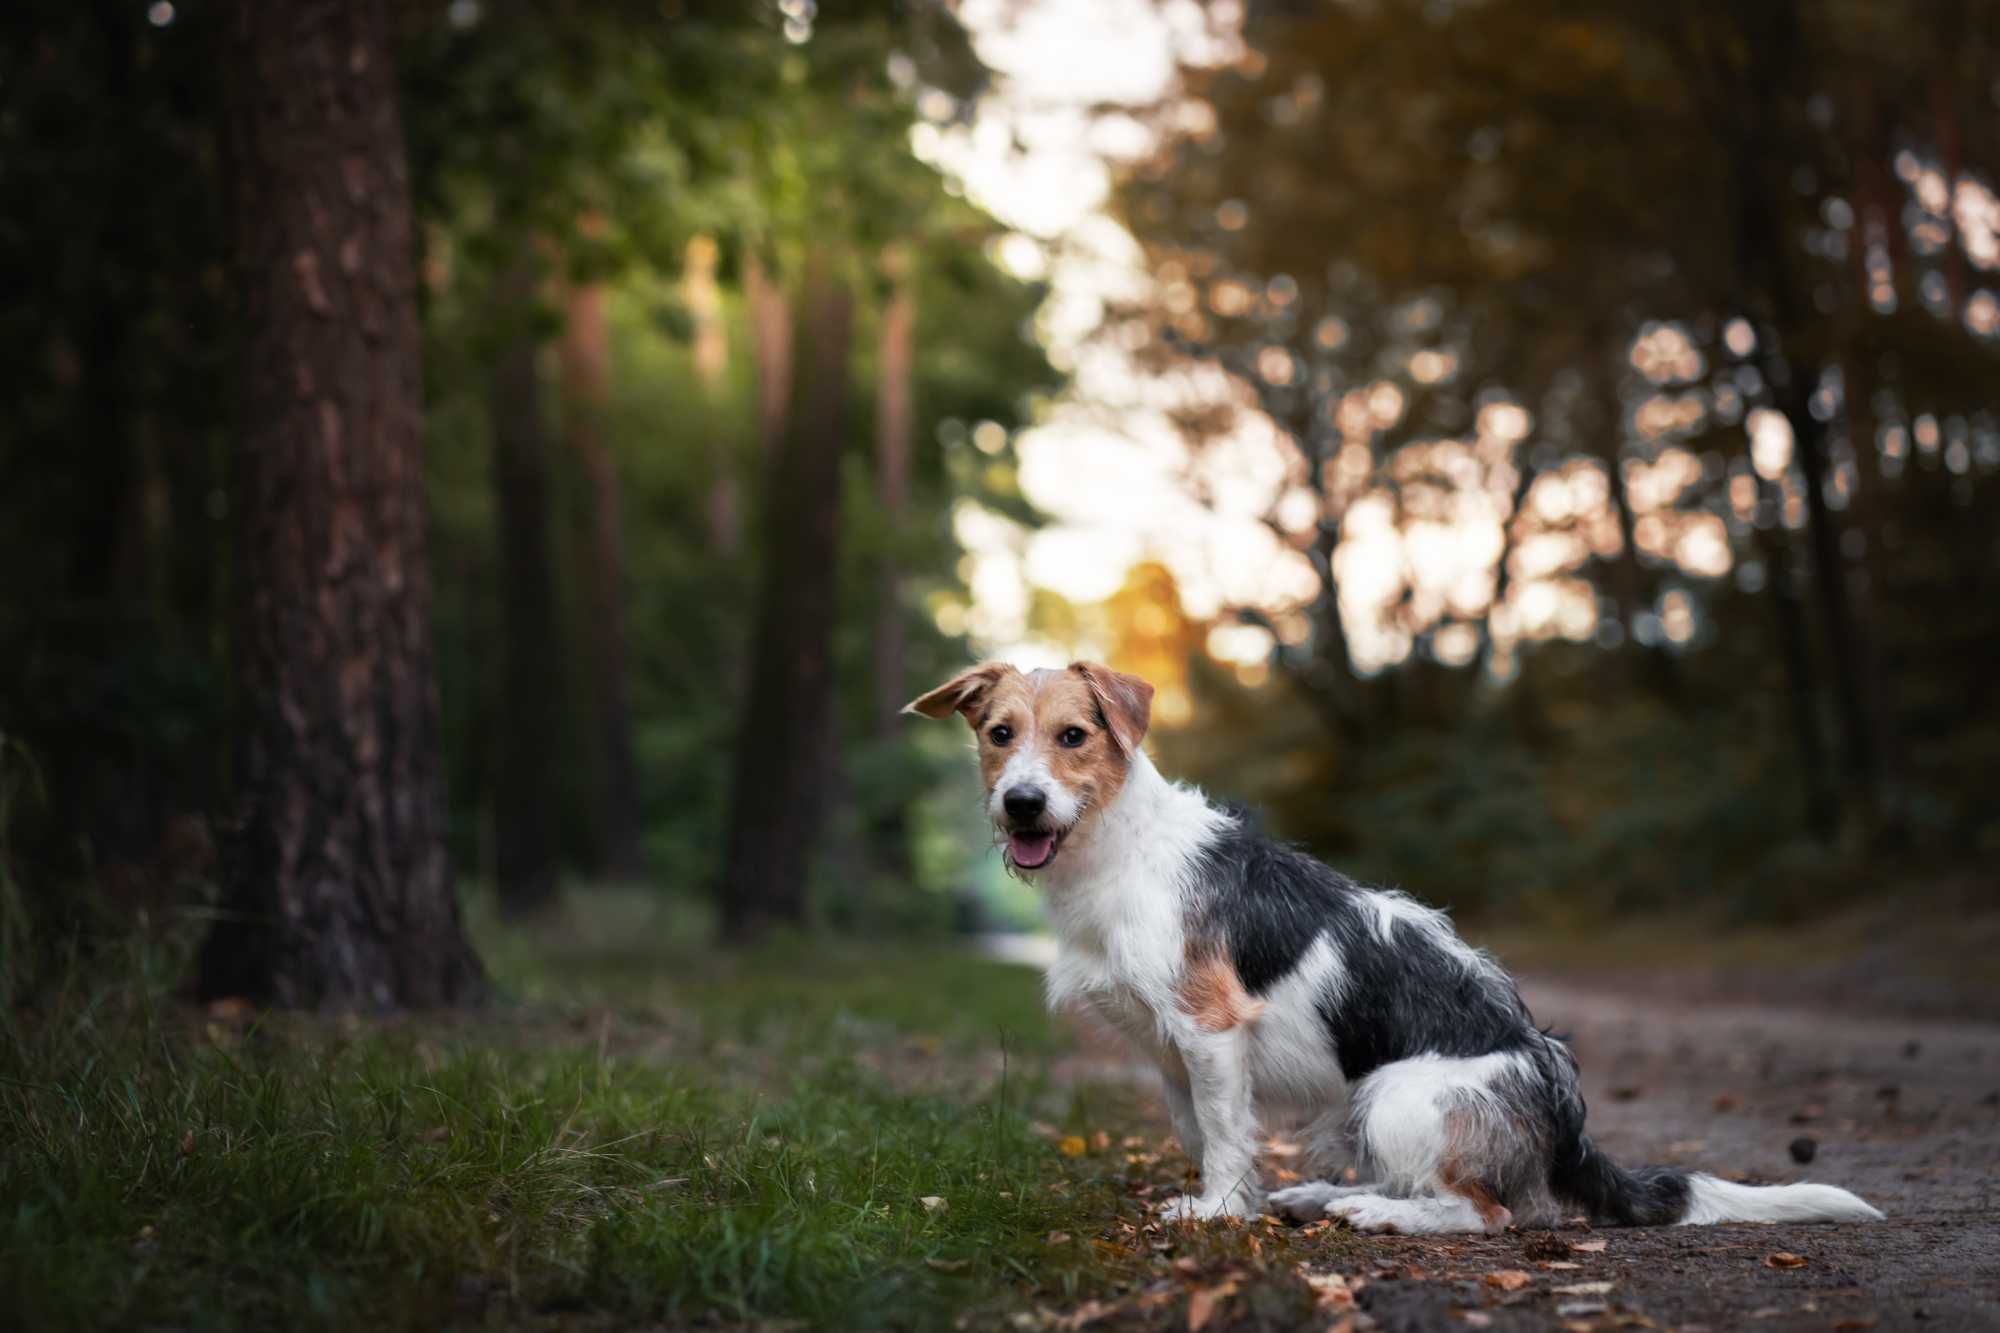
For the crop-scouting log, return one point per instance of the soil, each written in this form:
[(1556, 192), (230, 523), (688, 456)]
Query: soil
[(1904, 1112)]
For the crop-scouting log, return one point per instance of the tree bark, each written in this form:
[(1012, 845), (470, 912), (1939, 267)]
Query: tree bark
[(711, 361), (771, 344), (894, 418), (525, 795), (782, 783), (337, 888), (586, 374), (894, 408)]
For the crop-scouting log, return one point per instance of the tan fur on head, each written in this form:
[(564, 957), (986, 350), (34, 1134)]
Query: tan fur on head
[(964, 693), (1011, 709), (1127, 702)]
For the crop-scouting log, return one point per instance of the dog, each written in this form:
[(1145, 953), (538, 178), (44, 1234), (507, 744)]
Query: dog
[(1263, 984)]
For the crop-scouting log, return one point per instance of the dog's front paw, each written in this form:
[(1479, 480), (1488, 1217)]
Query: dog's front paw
[(1203, 1208)]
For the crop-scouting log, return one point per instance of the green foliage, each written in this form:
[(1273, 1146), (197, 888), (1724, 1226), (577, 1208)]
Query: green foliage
[(748, 1138)]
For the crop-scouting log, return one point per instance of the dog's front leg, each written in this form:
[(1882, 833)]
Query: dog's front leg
[(1219, 1095), (1179, 1096)]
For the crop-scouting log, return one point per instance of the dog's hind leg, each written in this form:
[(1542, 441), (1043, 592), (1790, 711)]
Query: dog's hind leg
[(1327, 1148), (1451, 1142)]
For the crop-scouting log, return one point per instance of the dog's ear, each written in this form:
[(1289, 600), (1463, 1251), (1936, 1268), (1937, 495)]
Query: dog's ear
[(964, 693), (1126, 700)]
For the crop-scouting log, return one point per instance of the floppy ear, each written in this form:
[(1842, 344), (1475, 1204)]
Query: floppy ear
[(964, 693), (1126, 700)]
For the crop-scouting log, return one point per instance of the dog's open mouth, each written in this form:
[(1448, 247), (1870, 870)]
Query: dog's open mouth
[(1031, 849)]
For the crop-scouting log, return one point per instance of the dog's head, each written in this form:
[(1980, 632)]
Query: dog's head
[(1054, 746)]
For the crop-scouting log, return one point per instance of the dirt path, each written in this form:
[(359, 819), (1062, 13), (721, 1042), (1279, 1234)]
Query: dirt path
[(1905, 1113)]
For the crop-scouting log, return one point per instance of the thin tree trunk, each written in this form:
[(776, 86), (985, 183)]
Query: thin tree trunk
[(894, 415), (586, 375), (337, 888), (894, 410), (1758, 157), (525, 794), (771, 345), (711, 361), (782, 780)]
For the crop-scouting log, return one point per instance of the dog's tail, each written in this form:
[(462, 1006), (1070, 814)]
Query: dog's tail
[(1661, 1195)]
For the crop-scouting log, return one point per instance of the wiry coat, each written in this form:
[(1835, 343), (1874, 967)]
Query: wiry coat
[(1260, 983)]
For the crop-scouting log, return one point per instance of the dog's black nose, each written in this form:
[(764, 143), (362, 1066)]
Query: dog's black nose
[(1024, 803)]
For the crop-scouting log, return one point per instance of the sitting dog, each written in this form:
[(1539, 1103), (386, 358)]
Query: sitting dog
[(1262, 983)]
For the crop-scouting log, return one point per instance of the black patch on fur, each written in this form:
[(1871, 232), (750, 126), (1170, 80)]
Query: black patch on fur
[(1405, 996), (1266, 901), (1410, 995), (1640, 1196)]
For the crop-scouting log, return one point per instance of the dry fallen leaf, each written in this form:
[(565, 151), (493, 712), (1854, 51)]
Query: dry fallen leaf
[(1509, 1279), (1087, 1313), (933, 1203), (1561, 1264), (1784, 1259), (1331, 1291), (949, 1265), (1588, 1246), (1583, 1289), (1473, 1318), (187, 1144), (1059, 1238), (1072, 1145), (1202, 1303), (1727, 1101)]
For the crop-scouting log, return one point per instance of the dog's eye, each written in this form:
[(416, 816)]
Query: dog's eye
[(1001, 734), (1072, 737)]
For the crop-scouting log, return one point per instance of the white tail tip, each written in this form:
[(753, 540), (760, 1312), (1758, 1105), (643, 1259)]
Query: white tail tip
[(1714, 1200)]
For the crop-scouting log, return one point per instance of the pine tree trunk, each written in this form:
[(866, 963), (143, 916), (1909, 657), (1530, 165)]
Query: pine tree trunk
[(893, 420), (337, 889), (771, 344), (586, 368), (894, 415), (711, 361), (783, 782), (525, 795)]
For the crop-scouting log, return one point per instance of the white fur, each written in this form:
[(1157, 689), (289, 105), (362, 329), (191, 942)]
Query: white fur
[(1400, 1113), (1291, 1063), (1118, 893), (1028, 766), (1714, 1200)]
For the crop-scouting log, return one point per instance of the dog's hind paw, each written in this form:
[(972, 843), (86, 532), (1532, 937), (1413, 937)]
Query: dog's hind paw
[(1303, 1203)]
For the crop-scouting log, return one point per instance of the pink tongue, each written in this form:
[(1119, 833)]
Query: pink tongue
[(1030, 849)]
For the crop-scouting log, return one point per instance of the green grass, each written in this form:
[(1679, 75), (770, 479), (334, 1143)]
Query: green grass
[(633, 1134)]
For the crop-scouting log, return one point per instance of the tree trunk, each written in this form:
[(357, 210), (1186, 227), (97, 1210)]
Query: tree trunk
[(771, 344), (1759, 156), (893, 418), (586, 373), (782, 782), (525, 790), (337, 888), (711, 360), (894, 415)]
